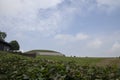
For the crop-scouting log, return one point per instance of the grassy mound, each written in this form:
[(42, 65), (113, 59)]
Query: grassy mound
[(45, 52), (42, 51)]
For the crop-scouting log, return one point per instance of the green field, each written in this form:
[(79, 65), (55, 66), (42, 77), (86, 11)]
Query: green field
[(77, 60), (17, 67)]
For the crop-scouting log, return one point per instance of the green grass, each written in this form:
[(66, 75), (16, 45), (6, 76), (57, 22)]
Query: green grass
[(84, 60), (77, 60)]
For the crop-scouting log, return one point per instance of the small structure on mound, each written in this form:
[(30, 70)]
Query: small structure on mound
[(45, 53)]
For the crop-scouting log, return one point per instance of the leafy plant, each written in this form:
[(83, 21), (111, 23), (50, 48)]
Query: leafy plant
[(17, 67)]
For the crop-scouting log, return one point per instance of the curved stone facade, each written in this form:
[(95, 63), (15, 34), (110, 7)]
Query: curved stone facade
[(50, 53)]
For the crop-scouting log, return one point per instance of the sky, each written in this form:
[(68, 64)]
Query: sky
[(73, 27)]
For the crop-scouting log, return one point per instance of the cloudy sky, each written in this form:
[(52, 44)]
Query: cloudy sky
[(73, 27)]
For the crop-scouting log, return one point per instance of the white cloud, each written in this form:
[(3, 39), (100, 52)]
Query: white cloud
[(44, 17), (65, 38), (81, 36), (13, 7), (108, 4), (40, 16), (97, 43), (116, 47)]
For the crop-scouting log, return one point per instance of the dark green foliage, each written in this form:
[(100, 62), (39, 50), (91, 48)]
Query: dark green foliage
[(16, 67), (2, 35), (14, 45)]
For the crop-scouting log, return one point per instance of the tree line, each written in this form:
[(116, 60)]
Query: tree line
[(14, 43)]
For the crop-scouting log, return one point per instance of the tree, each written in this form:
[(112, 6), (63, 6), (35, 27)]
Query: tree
[(3, 35), (14, 45)]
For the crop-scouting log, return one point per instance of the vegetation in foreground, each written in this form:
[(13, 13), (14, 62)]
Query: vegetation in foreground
[(16, 67)]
